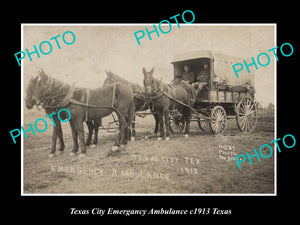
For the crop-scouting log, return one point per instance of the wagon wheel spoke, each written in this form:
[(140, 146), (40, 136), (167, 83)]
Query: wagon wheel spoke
[(251, 121), (252, 118), (215, 127), (251, 107), (251, 112), (214, 124), (241, 110), (221, 126), (242, 114), (178, 127), (242, 123)]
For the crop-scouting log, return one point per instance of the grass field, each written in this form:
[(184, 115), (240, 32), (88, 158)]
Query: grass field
[(200, 164)]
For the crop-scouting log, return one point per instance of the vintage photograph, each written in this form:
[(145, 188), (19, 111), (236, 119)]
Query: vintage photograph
[(105, 115)]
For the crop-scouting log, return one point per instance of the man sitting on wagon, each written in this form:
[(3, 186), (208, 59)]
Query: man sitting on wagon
[(202, 79), (203, 76), (186, 79), (188, 75)]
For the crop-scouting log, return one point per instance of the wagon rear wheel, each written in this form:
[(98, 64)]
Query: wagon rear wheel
[(246, 115), (177, 124), (218, 120)]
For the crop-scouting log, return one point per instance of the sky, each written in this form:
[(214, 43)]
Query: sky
[(113, 47)]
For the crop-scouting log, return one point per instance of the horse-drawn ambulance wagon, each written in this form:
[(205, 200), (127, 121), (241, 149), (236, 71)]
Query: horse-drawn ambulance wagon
[(224, 96)]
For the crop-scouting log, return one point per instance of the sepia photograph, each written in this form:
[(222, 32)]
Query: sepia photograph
[(148, 109)]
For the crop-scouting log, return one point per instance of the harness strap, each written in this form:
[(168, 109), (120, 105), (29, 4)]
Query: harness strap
[(75, 102)]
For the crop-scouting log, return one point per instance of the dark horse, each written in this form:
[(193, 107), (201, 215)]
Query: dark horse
[(163, 96), (38, 93), (139, 98), (83, 104)]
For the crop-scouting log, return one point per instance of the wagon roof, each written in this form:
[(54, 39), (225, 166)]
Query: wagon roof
[(192, 55), (222, 65)]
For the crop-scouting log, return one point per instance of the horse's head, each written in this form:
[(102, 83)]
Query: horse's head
[(149, 81), (36, 89), (110, 79)]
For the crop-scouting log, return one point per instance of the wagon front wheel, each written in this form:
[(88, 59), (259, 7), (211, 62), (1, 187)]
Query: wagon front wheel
[(218, 120), (176, 124), (246, 115)]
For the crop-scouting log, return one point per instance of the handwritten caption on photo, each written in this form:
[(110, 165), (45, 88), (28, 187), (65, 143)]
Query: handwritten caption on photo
[(187, 165), (113, 173), (184, 166), (227, 152)]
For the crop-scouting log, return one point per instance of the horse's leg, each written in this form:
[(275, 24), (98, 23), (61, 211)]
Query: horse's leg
[(188, 116), (90, 126), (121, 133), (161, 125), (96, 128), (74, 136), (127, 126), (80, 130), (126, 133), (61, 140), (57, 131), (128, 123), (156, 124), (54, 138), (167, 123), (132, 132)]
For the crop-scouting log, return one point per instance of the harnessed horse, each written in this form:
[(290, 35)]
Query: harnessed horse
[(83, 104), (165, 98), (140, 102)]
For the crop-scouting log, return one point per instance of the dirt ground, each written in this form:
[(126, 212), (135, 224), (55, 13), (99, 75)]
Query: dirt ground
[(201, 164)]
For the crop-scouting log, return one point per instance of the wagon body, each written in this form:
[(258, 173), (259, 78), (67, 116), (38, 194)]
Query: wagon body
[(225, 94)]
